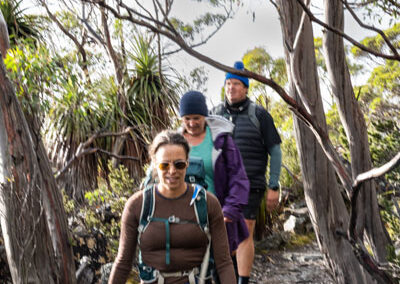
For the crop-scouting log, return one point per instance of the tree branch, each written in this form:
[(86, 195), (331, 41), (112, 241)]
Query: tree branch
[(79, 46), (294, 65), (385, 38), (113, 55), (395, 56), (363, 256), (377, 172), (84, 149)]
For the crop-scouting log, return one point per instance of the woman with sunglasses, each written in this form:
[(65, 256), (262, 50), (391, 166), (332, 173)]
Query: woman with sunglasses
[(187, 242), (210, 139)]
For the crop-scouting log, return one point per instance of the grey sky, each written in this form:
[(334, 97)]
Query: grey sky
[(242, 34), (236, 37)]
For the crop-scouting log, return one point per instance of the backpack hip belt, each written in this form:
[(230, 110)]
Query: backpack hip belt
[(190, 273)]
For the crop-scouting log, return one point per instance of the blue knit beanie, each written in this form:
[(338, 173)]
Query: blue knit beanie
[(193, 102), (239, 66)]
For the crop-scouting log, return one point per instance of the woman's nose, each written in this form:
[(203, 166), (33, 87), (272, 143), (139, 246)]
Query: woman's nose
[(172, 168)]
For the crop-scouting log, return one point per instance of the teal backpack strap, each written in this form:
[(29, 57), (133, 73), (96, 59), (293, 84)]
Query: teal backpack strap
[(146, 273), (199, 199), (147, 208), (167, 222)]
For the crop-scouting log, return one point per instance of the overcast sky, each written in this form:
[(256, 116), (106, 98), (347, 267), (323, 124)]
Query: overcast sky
[(241, 34), (230, 43)]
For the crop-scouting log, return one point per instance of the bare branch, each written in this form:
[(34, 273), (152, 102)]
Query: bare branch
[(84, 149), (294, 65), (113, 55), (294, 177), (159, 48), (382, 34), (96, 36), (143, 8), (363, 256), (377, 172), (395, 56), (131, 11), (204, 41), (80, 47)]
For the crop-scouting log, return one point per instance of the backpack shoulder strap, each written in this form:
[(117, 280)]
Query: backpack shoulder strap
[(219, 109), (147, 208), (200, 201), (200, 207), (251, 111)]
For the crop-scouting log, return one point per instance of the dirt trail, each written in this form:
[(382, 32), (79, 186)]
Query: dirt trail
[(301, 265)]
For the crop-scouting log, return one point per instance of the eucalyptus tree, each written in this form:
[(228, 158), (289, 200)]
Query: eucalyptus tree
[(320, 186), (368, 217), (379, 100), (33, 221)]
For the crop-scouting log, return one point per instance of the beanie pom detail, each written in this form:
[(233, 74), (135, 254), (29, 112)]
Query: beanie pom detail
[(239, 66)]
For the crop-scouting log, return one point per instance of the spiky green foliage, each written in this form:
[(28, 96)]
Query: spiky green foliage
[(151, 96), (19, 25)]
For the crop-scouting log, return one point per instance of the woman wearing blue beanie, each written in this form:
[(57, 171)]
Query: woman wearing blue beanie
[(210, 138)]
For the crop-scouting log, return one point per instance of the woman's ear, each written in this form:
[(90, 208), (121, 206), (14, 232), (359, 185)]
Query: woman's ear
[(153, 168)]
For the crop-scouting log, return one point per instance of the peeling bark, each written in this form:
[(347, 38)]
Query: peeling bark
[(33, 220), (356, 131), (324, 201)]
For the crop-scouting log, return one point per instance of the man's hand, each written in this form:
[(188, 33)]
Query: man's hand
[(272, 199)]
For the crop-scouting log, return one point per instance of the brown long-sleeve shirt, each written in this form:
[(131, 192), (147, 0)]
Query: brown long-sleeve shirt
[(188, 241)]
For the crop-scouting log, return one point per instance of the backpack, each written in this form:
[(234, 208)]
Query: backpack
[(195, 173), (199, 200), (251, 112)]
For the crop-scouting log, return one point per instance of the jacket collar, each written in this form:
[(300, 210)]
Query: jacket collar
[(237, 107)]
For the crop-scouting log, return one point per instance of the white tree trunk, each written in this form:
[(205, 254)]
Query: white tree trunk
[(324, 200), (356, 131)]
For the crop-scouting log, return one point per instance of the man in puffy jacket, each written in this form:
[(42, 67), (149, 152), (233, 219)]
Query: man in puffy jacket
[(257, 139)]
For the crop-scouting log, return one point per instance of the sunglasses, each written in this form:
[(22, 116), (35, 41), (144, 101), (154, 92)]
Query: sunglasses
[(178, 164)]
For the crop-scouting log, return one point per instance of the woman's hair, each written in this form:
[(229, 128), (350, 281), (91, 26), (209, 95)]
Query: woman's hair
[(168, 137)]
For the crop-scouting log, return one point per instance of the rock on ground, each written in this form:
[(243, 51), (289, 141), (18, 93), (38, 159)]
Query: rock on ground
[(301, 265)]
